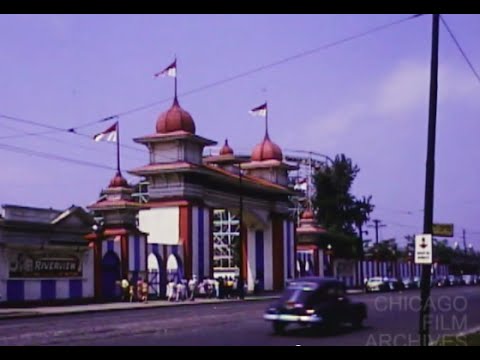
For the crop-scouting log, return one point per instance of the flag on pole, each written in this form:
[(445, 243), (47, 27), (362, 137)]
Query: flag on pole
[(301, 185), (108, 135), (170, 70), (259, 110)]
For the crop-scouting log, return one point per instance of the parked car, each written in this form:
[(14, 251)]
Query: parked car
[(440, 281), (409, 283), (376, 284), (468, 279), (476, 280), (395, 284), (315, 301)]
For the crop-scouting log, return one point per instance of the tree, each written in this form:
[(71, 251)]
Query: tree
[(336, 208), (386, 250)]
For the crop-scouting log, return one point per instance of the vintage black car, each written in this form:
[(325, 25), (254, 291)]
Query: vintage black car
[(315, 301)]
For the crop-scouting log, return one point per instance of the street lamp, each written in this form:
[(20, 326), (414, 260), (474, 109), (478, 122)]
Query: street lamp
[(329, 257), (241, 280), (240, 233)]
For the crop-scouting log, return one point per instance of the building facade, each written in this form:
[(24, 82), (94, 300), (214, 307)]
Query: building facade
[(184, 189), (43, 255)]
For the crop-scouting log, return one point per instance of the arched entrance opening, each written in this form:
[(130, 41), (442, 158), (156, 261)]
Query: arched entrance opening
[(174, 268), (156, 276), (110, 276), (309, 267)]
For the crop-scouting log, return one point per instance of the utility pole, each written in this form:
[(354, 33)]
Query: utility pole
[(429, 182), (464, 240), (377, 226), (361, 254)]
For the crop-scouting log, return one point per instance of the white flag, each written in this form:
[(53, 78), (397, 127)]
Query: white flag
[(259, 110), (108, 135), (170, 70)]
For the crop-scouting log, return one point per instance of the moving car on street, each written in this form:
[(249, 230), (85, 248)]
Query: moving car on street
[(315, 301)]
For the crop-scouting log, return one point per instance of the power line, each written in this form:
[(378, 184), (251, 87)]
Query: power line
[(252, 71), (403, 225), (460, 48), (45, 155), (52, 129), (406, 212), (43, 135), (26, 134)]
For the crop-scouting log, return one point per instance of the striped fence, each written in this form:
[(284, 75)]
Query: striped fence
[(309, 263)]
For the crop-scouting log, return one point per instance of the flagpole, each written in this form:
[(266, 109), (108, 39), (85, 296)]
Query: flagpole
[(266, 119), (118, 148), (175, 89)]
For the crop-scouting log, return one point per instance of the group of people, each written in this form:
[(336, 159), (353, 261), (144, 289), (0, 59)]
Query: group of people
[(134, 291), (220, 288), (185, 289)]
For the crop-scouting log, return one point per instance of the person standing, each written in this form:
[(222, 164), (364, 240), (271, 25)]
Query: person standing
[(192, 287), (125, 285), (144, 291)]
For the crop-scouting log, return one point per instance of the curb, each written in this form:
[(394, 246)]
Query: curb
[(470, 331), (463, 333), (33, 314)]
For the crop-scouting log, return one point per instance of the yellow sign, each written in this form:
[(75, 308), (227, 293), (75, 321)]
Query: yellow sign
[(445, 230)]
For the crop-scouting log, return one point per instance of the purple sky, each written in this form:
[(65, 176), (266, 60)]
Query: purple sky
[(367, 98)]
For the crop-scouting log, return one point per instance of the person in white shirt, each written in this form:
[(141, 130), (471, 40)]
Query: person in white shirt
[(192, 287)]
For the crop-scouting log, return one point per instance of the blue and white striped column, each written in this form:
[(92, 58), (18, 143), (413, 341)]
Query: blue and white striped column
[(201, 242), (289, 249), (137, 253)]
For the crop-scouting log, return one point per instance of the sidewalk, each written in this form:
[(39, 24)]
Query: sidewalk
[(13, 313)]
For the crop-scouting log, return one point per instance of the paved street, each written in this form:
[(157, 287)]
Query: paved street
[(392, 321)]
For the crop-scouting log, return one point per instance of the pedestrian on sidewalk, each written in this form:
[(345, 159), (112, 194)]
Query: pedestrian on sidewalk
[(131, 292), (139, 289), (171, 290), (125, 287), (144, 291), (192, 286)]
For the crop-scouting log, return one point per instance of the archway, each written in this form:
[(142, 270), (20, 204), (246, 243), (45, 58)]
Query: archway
[(156, 275), (110, 276), (300, 268), (174, 268), (309, 271)]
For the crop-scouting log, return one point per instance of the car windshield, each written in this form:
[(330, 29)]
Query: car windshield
[(298, 291)]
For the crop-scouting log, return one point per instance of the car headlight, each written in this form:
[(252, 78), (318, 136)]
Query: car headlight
[(309, 311)]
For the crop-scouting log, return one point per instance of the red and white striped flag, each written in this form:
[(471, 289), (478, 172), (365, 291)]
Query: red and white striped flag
[(259, 110), (170, 70), (301, 185), (108, 135)]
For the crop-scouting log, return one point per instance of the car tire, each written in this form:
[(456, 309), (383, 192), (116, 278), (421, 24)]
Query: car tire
[(279, 327), (357, 323)]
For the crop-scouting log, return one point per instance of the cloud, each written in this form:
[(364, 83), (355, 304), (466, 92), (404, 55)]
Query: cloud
[(404, 90), (407, 87)]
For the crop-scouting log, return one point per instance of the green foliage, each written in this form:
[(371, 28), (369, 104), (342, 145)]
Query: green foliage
[(336, 208), (386, 250)]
